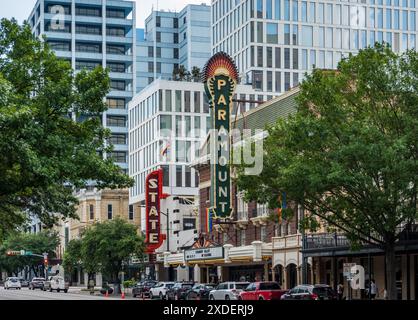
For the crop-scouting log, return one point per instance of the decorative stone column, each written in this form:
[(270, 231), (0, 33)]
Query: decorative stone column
[(257, 254), (219, 273), (266, 271), (273, 274), (227, 247), (196, 272), (166, 264)]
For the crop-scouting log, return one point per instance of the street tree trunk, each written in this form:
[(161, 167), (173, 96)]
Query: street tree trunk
[(390, 261)]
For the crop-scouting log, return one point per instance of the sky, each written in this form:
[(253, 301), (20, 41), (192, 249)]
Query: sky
[(20, 9)]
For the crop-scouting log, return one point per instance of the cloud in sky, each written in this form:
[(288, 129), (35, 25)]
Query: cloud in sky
[(20, 9)]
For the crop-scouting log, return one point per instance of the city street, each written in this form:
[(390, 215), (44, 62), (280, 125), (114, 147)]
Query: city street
[(73, 294)]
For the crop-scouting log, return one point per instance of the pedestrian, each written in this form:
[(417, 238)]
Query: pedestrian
[(340, 290), (373, 289)]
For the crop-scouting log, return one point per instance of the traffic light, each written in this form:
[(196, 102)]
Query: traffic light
[(46, 261), (13, 253)]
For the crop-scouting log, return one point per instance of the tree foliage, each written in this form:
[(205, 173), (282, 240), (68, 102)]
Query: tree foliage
[(350, 153), (43, 152), (38, 243), (105, 247)]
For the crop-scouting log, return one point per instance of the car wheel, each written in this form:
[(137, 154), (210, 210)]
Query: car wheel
[(227, 298), (66, 290), (134, 295), (176, 297), (151, 296), (161, 296), (239, 298), (211, 297), (50, 289), (260, 298), (58, 290)]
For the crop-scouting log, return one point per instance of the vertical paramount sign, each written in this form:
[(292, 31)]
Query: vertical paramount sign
[(153, 191), (220, 78)]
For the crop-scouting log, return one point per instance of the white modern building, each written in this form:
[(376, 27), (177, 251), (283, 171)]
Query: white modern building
[(274, 42), (171, 39), (167, 122)]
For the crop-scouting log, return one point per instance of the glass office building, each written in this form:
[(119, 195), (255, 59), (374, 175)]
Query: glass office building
[(275, 42)]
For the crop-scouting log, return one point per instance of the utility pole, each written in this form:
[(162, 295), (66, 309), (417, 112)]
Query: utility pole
[(167, 227)]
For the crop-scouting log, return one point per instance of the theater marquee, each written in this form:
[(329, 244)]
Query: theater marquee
[(154, 193), (220, 78)]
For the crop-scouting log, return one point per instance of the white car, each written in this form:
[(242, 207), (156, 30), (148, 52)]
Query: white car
[(56, 283), (12, 282), (160, 290), (228, 291)]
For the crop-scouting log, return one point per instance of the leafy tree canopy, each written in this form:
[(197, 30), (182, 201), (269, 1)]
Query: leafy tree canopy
[(43, 152), (349, 154)]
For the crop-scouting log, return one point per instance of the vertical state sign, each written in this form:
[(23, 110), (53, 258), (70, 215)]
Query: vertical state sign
[(220, 76), (153, 192)]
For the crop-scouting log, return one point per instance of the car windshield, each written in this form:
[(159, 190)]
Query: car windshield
[(14, 279), (169, 285), (38, 279), (241, 286), (322, 291), (269, 286), (186, 285)]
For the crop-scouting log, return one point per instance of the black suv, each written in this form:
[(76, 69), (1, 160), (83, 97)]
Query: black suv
[(141, 289), (179, 290)]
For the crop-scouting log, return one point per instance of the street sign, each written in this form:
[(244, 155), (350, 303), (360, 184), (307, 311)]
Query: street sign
[(347, 269), (28, 253)]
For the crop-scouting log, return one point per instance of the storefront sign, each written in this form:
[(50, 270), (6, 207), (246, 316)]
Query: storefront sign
[(207, 253), (154, 193), (220, 78)]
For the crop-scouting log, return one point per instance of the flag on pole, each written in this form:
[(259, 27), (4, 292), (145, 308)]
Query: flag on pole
[(209, 220), (282, 205), (165, 149)]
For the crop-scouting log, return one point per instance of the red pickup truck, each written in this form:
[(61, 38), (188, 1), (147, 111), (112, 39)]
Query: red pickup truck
[(262, 291)]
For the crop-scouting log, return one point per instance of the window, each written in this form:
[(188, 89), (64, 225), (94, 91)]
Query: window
[(186, 101), (91, 212), (272, 33), (287, 10), (88, 11), (158, 21), (277, 7), (131, 212), (188, 125), (166, 175), (89, 65), (115, 49), (178, 126), (259, 8), (109, 211), (295, 10), (269, 81), (150, 52), (116, 121), (116, 67), (188, 177), (269, 57), (277, 57), (404, 20), (304, 11), (117, 85), (117, 138), (269, 9), (118, 156), (179, 176), (178, 101), (260, 56), (197, 102), (287, 34), (278, 82), (114, 13), (88, 29), (60, 45), (150, 66), (258, 80), (115, 103), (287, 58), (165, 125), (306, 37), (115, 32), (260, 32), (175, 23), (295, 59)]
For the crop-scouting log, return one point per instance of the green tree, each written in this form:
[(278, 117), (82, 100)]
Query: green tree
[(38, 243), (44, 154), (182, 73), (107, 246), (72, 256), (350, 153), (196, 74)]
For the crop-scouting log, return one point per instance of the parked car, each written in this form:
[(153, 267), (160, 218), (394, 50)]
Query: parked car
[(56, 283), (12, 282), (262, 291), (142, 288), (311, 292), (24, 282), (199, 292), (37, 283), (160, 290), (228, 291), (178, 291)]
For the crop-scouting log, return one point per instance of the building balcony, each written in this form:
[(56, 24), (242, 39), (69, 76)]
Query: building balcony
[(120, 57), (287, 242), (121, 94), (52, 35), (121, 75), (88, 19), (121, 40), (88, 37), (63, 54), (260, 221), (88, 55), (119, 22)]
